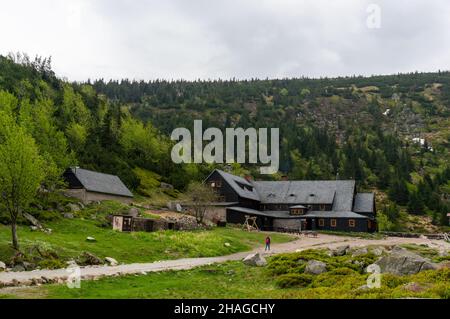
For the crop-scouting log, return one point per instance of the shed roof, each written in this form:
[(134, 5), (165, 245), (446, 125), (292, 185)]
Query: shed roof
[(100, 182), (364, 203)]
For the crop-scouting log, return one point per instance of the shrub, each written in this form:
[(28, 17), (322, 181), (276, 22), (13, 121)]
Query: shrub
[(294, 280)]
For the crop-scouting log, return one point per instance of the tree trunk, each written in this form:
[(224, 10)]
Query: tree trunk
[(15, 240)]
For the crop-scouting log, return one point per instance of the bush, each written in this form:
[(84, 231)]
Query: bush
[(294, 280), (46, 216)]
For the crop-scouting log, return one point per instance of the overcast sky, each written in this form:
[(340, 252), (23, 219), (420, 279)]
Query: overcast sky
[(193, 39)]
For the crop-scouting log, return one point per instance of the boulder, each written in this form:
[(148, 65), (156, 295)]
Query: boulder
[(377, 251), (18, 267), (414, 287), (340, 251), (255, 260), (111, 261), (359, 252), (133, 211), (32, 220), (166, 186), (73, 207), (403, 262), (91, 239), (2, 266), (315, 267), (87, 258), (68, 215)]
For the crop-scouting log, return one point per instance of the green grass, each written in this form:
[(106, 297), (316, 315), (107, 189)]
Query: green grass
[(68, 240), (236, 280)]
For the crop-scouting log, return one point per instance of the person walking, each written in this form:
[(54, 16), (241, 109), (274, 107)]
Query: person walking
[(267, 243)]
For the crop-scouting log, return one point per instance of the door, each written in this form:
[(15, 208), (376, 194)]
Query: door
[(126, 225)]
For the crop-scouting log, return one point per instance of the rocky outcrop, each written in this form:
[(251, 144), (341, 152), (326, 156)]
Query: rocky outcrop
[(255, 260), (2, 266), (403, 262), (315, 267)]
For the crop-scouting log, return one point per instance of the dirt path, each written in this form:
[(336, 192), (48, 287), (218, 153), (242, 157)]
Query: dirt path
[(27, 278)]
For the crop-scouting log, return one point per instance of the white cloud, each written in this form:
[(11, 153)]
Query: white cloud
[(227, 38)]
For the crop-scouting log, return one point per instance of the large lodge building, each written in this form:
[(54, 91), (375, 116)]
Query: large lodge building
[(295, 205)]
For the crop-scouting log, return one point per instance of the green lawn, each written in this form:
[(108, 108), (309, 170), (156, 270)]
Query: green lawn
[(235, 280), (68, 240)]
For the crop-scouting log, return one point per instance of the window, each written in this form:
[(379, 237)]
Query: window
[(333, 223), (351, 223), (322, 207), (321, 222)]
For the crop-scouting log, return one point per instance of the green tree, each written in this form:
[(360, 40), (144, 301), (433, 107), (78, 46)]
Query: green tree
[(200, 196), (21, 170)]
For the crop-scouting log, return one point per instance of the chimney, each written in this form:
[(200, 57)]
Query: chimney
[(284, 178)]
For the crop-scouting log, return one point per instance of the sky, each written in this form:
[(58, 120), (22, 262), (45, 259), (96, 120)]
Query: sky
[(210, 39)]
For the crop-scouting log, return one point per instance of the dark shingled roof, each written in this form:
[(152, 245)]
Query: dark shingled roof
[(240, 185), (336, 192), (339, 193), (364, 203), (101, 183)]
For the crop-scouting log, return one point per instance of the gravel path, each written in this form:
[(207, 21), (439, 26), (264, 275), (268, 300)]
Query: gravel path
[(27, 278)]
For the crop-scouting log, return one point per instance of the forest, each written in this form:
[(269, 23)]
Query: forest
[(390, 133)]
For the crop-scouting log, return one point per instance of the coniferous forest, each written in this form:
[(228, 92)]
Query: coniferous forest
[(391, 133)]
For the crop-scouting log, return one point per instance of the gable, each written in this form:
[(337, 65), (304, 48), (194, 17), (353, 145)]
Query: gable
[(99, 182)]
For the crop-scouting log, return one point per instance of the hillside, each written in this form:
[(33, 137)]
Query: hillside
[(390, 133)]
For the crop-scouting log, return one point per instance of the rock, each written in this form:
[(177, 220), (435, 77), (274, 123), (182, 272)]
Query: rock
[(2, 266), (340, 251), (34, 228), (87, 258), (444, 264), (60, 207), (166, 185), (111, 261), (68, 215), (227, 245), (414, 287), (377, 251), (73, 207), (18, 267), (28, 266), (363, 287), (91, 239), (403, 262), (32, 220), (359, 252), (315, 267), (133, 211), (255, 260)]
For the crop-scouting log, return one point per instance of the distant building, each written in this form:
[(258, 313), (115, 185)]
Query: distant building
[(89, 186), (295, 205)]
